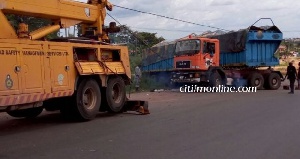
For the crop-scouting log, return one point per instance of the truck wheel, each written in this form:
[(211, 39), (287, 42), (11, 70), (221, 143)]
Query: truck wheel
[(88, 100), (215, 80), (256, 80), (26, 113), (115, 94), (273, 81)]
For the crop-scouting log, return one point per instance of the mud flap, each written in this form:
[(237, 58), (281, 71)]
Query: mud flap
[(137, 106)]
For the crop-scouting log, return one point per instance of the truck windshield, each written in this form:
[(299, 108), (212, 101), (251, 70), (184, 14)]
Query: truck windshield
[(187, 47)]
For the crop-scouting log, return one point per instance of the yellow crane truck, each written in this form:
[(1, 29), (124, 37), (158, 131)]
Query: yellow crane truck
[(79, 76)]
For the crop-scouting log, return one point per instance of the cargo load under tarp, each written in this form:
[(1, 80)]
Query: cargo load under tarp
[(232, 41), (235, 41), (254, 46)]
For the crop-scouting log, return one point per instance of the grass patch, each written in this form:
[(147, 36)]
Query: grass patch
[(284, 64), (147, 84)]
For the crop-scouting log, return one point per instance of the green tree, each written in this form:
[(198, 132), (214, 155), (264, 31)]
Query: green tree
[(136, 42), (33, 23), (149, 39)]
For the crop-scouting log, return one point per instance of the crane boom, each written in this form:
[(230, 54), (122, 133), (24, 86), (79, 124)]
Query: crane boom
[(63, 13), (51, 9)]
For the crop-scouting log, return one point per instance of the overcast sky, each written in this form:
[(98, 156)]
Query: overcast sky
[(225, 14)]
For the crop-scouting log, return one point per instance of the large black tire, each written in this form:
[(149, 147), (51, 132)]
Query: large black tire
[(115, 95), (215, 79), (256, 80), (26, 113), (86, 101), (273, 81)]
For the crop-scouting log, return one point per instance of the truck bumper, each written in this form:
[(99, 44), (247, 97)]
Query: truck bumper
[(186, 80), (188, 77)]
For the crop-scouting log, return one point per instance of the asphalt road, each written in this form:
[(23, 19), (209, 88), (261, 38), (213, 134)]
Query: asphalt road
[(262, 125)]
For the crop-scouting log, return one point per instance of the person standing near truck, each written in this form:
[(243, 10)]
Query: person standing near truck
[(138, 76), (291, 74)]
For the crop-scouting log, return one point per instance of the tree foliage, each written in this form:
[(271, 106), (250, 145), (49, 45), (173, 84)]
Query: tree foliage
[(33, 23), (135, 40)]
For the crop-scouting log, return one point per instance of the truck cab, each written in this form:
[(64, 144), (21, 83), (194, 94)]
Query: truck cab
[(193, 57)]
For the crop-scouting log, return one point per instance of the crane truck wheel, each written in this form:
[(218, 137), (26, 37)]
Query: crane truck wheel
[(26, 113), (256, 80), (273, 81), (88, 100), (115, 94)]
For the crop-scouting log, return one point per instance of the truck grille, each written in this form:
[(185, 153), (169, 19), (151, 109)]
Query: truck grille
[(183, 64)]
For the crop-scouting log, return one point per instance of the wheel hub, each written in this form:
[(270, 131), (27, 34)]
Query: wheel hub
[(274, 81), (116, 93), (257, 82), (218, 82), (89, 99)]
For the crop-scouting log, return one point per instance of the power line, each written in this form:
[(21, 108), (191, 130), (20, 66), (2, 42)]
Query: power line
[(125, 27), (156, 29), (172, 30), (170, 18), (154, 14), (292, 31), (137, 37)]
